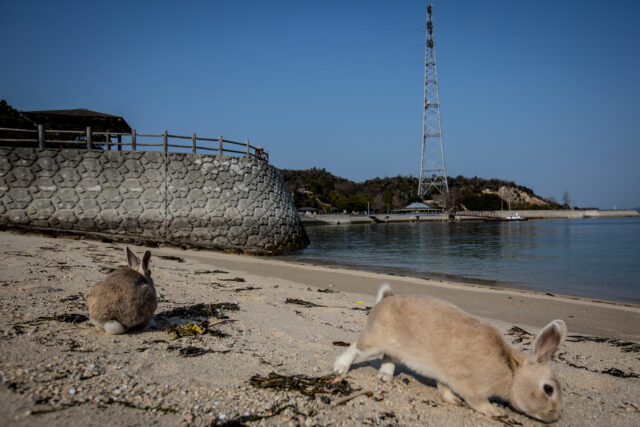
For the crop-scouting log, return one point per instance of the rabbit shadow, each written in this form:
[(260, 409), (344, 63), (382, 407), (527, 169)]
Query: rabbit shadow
[(399, 369), (427, 381)]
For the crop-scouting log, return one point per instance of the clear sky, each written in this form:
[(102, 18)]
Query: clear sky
[(544, 93)]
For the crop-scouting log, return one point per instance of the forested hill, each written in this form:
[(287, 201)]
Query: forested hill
[(317, 188)]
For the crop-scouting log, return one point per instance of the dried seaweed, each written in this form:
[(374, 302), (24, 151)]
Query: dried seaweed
[(341, 344), (519, 334), (615, 372), (309, 386), (210, 272), (248, 288), (170, 258), (201, 310), (234, 279), (302, 302), (365, 309), (625, 346), (193, 329), (192, 351), (327, 291), (72, 298)]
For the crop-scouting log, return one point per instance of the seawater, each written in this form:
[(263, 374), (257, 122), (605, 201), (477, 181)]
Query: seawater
[(594, 258)]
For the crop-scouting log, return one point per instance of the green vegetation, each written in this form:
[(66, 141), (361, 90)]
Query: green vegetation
[(317, 188)]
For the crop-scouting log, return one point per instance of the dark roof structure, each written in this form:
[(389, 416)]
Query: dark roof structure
[(78, 119)]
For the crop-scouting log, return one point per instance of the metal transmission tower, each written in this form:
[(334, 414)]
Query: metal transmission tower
[(433, 175)]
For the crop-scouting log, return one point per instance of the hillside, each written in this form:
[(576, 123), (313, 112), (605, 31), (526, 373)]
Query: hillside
[(320, 189)]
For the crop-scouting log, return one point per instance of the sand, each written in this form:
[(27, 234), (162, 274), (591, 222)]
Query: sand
[(57, 369)]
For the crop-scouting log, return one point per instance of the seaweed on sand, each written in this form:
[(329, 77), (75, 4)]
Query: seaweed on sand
[(193, 329), (519, 335), (201, 310), (309, 386), (302, 302), (170, 258), (625, 346)]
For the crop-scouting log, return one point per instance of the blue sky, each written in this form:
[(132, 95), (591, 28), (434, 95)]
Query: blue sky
[(544, 93)]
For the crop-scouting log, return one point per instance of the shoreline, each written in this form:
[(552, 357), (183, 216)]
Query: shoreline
[(459, 280), (605, 318)]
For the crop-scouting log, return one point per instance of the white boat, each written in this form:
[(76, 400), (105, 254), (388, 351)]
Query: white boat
[(515, 217)]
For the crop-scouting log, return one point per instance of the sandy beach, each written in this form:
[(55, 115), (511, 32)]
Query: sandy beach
[(225, 322)]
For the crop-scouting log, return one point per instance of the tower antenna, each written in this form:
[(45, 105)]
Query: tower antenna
[(433, 175)]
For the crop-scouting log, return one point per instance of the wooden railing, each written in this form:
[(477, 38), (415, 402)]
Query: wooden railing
[(133, 141)]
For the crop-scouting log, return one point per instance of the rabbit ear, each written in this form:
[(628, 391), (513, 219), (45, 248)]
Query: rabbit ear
[(549, 339), (132, 259), (146, 258)]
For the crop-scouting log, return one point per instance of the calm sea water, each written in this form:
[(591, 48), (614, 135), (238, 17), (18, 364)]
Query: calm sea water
[(598, 258)]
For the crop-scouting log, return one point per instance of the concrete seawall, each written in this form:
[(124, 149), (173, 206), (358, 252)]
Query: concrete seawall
[(338, 219), (228, 203)]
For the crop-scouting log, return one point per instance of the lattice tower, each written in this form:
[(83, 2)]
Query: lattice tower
[(433, 175)]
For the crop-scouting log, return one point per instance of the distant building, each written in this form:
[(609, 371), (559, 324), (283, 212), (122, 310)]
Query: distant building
[(66, 120), (418, 208), (78, 119), (307, 211)]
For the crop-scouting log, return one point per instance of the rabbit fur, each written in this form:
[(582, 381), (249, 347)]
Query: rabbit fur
[(126, 299), (465, 356)]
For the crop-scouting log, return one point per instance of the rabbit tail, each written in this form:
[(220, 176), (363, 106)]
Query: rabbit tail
[(384, 292), (114, 327)]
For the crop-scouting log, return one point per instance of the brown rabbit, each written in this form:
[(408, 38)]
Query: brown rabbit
[(126, 299), (466, 357)]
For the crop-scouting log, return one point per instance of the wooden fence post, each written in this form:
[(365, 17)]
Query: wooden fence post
[(164, 141), (119, 139), (133, 140), (193, 142), (41, 136), (247, 143), (220, 146), (89, 138)]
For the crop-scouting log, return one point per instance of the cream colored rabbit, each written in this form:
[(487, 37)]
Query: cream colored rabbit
[(466, 357), (126, 299)]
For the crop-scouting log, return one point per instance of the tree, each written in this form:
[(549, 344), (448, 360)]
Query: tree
[(11, 118), (387, 198)]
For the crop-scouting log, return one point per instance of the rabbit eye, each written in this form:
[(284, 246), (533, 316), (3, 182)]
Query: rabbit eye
[(548, 389)]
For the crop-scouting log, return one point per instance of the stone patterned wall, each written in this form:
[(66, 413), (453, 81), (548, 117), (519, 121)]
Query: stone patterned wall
[(230, 203)]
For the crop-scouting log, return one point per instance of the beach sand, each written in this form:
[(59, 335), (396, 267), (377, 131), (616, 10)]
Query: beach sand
[(57, 369)]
